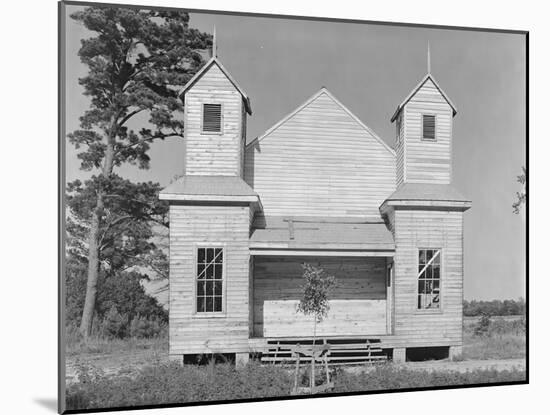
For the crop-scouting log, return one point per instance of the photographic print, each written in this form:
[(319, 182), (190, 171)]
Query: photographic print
[(270, 207)]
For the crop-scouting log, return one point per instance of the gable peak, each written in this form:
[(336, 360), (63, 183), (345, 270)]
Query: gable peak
[(211, 62), (427, 77), (326, 92)]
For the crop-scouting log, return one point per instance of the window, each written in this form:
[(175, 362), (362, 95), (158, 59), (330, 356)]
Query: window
[(211, 118), (428, 127), (209, 280), (429, 278)]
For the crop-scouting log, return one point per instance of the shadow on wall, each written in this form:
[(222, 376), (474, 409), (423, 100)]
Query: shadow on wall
[(249, 159)]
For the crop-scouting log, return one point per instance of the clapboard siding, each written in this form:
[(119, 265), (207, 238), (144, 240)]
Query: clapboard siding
[(320, 162), (427, 161), (215, 154), (400, 150), (358, 303), (415, 229), (226, 226)]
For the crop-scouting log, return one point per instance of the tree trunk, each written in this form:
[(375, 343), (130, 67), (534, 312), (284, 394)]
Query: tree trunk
[(93, 272), (312, 377), (93, 240)]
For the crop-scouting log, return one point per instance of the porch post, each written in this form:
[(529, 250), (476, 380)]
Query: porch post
[(399, 355), (241, 359), (251, 297), (389, 294)]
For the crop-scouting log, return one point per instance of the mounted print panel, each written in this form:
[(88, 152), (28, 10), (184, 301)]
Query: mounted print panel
[(268, 207)]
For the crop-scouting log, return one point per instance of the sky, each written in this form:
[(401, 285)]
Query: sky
[(371, 68)]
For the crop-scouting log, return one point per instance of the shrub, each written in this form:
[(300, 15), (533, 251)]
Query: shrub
[(141, 327), (114, 325), (482, 326), (494, 307), (123, 290)]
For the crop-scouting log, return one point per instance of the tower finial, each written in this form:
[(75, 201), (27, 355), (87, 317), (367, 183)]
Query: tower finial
[(429, 63), (214, 51)]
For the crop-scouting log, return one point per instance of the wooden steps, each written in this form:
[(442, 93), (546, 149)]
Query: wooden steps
[(341, 351)]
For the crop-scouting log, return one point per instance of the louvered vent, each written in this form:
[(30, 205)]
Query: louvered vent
[(428, 127), (212, 118)]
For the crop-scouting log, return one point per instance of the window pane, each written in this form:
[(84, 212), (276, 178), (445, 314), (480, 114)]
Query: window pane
[(217, 304), (218, 271), (209, 255), (429, 287), (420, 268), (429, 254), (210, 287), (437, 258), (200, 271), (209, 271), (209, 304), (419, 300), (217, 288), (421, 287), (436, 273), (200, 304), (428, 273), (422, 257), (428, 302), (201, 255), (200, 288), (219, 256)]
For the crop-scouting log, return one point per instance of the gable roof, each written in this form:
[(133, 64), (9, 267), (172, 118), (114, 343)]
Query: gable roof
[(322, 91), (204, 69), (415, 90), (214, 188)]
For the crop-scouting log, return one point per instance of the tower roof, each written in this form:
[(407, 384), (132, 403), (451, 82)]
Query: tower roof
[(215, 61), (415, 90)]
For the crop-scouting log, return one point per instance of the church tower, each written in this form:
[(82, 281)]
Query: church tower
[(211, 208), (424, 123), (215, 122)]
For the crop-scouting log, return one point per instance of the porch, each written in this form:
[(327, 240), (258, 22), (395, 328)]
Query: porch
[(358, 253)]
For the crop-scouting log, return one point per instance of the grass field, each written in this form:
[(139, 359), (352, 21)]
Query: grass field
[(170, 383), (104, 373), (504, 339)]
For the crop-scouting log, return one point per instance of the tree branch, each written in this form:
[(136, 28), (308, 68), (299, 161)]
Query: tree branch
[(145, 140), (128, 116)]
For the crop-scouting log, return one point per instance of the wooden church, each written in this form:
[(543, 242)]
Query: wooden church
[(317, 187)]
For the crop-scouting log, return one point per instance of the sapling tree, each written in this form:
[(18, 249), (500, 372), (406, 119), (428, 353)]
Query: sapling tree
[(137, 61), (315, 301)]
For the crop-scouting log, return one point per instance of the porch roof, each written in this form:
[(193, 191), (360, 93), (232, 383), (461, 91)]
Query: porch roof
[(426, 195), (319, 233), (209, 188), (427, 191)]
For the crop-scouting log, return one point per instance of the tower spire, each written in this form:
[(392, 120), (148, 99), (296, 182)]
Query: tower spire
[(214, 51), (429, 61)]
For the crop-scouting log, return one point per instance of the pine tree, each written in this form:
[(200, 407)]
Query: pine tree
[(137, 60)]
